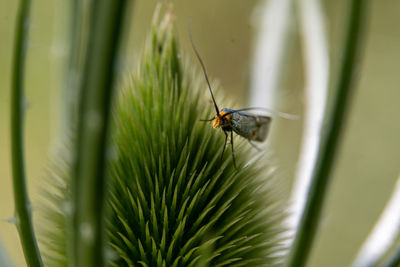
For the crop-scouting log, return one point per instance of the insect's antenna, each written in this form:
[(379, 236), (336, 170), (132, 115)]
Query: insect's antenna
[(204, 69), (273, 112)]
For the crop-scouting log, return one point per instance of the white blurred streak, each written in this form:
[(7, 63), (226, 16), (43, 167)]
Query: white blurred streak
[(384, 234), (315, 49), (272, 21)]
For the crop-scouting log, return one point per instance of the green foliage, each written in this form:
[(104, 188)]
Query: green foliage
[(173, 201)]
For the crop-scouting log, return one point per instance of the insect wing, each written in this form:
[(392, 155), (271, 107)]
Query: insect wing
[(250, 126)]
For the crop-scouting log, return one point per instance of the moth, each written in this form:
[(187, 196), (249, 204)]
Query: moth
[(250, 126)]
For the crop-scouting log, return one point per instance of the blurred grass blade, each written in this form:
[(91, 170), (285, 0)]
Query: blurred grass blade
[(334, 122), (89, 179), (21, 199), (315, 49), (79, 20), (384, 234)]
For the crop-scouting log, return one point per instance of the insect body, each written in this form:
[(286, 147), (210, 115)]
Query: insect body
[(250, 126)]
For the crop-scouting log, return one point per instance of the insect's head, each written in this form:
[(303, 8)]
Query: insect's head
[(222, 119)]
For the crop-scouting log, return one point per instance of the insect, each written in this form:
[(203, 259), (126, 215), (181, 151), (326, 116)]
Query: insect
[(250, 126)]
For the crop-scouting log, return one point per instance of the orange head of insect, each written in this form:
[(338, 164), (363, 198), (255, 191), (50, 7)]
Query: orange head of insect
[(222, 119)]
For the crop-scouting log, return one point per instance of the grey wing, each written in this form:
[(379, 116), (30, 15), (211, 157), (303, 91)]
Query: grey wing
[(251, 127)]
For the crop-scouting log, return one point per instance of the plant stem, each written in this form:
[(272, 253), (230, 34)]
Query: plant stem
[(89, 181), (78, 14), (21, 199), (334, 123)]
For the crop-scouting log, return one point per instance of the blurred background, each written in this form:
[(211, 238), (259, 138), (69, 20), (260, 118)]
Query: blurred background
[(368, 162)]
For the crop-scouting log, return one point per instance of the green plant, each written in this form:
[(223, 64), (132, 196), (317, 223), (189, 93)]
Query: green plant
[(334, 117), (161, 195), (173, 201), (23, 216)]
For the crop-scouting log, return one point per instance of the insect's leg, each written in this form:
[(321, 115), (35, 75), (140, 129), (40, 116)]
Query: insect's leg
[(253, 145), (233, 154), (223, 149)]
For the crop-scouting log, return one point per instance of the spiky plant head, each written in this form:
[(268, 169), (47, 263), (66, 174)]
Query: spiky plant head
[(173, 201)]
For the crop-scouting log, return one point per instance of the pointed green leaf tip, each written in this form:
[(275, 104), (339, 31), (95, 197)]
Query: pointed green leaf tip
[(173, 202)]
